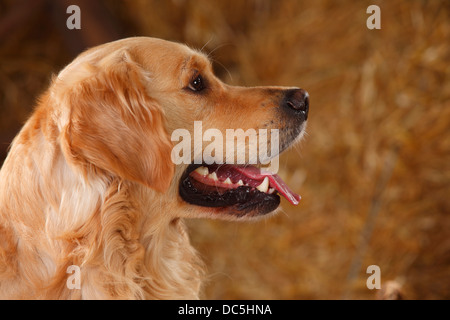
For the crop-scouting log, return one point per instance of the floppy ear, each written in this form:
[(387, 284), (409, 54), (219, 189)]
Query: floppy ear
[(115, 126)]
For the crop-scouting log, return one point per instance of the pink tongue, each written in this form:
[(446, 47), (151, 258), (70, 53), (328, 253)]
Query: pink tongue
[(275, 182)]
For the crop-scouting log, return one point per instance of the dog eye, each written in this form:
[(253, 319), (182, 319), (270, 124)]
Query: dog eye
[(197, 84)]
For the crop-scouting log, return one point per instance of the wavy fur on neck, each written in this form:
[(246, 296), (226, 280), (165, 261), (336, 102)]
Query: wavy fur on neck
[(124, 244)]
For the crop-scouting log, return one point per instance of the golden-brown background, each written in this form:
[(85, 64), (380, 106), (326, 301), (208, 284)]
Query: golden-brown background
[(374, 169)]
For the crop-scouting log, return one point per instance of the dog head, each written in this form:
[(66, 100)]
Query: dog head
[(153, 112)]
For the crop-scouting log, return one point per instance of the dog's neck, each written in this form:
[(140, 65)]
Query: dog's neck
[(130, 246)]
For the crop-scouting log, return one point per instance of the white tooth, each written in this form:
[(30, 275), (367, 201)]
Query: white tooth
[(227, 181), (240, 183), (271, 190), (213, 176), (264, 186), (202, 170)]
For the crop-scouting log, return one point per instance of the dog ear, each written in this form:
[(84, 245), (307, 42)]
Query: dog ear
[(115, 126)]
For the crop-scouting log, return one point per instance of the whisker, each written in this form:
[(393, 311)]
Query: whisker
[(217, 48), (207, 42), (284, 212), (297, 149), (219, 63)]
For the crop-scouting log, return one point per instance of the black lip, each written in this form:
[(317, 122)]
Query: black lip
[(240, 201)]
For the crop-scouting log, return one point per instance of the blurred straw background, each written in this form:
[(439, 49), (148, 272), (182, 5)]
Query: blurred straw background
[(373, 171)]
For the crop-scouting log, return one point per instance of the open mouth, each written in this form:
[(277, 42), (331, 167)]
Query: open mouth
[(242, 189)]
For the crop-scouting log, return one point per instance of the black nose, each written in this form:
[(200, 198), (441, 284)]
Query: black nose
[(297, 100)]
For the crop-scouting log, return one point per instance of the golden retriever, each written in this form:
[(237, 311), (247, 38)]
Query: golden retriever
[(89, 181)]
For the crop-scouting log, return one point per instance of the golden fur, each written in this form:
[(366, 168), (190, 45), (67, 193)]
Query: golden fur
[(89, 180)]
